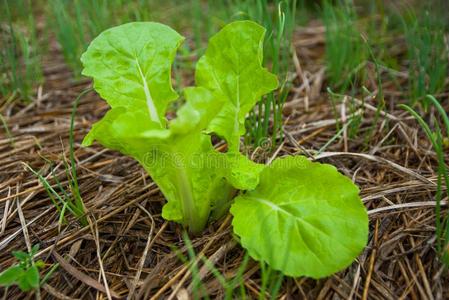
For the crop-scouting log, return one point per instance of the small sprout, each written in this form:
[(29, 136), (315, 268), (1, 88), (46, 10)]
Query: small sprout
[(26, 273)]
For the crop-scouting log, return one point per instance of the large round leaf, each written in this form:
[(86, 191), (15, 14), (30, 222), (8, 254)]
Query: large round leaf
[(304, 218)]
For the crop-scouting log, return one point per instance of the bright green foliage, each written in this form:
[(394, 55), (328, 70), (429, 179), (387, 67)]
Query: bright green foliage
[(25, 274), (232, 69), (309, 214), (135, 81), (279, 18), (130, 65), (241, 172)]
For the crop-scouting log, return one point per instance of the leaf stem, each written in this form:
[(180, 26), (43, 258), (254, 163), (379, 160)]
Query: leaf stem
[(192, 218)]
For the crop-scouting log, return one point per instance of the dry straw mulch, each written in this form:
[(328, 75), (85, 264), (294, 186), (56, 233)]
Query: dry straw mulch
[(129, 243)]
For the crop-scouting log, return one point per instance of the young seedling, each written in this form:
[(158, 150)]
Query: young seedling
[(26, 273), (299, 217)]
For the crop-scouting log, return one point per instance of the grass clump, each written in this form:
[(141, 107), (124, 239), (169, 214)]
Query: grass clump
[(20, 63), (69, 33), (427, 54), (346, 52)]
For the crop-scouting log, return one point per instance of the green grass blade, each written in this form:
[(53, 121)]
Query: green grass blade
[(440, 155), (79, 204), (442, 112)]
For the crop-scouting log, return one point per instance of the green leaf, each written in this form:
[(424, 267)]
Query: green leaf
[(304, 218), (32, 276), (121, 130), (187, 170), (232, 70), (23, 284), (35, 249), (20, 255), (173, 156), (29, 279), (241, 172), (179, 154), (175, 159), (201, 107), (10, 275), (131, 67)]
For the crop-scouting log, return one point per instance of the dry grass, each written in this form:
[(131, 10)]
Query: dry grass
[(129, 247)]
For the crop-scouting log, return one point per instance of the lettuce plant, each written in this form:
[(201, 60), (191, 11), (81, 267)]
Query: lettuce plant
[(300, 217)]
